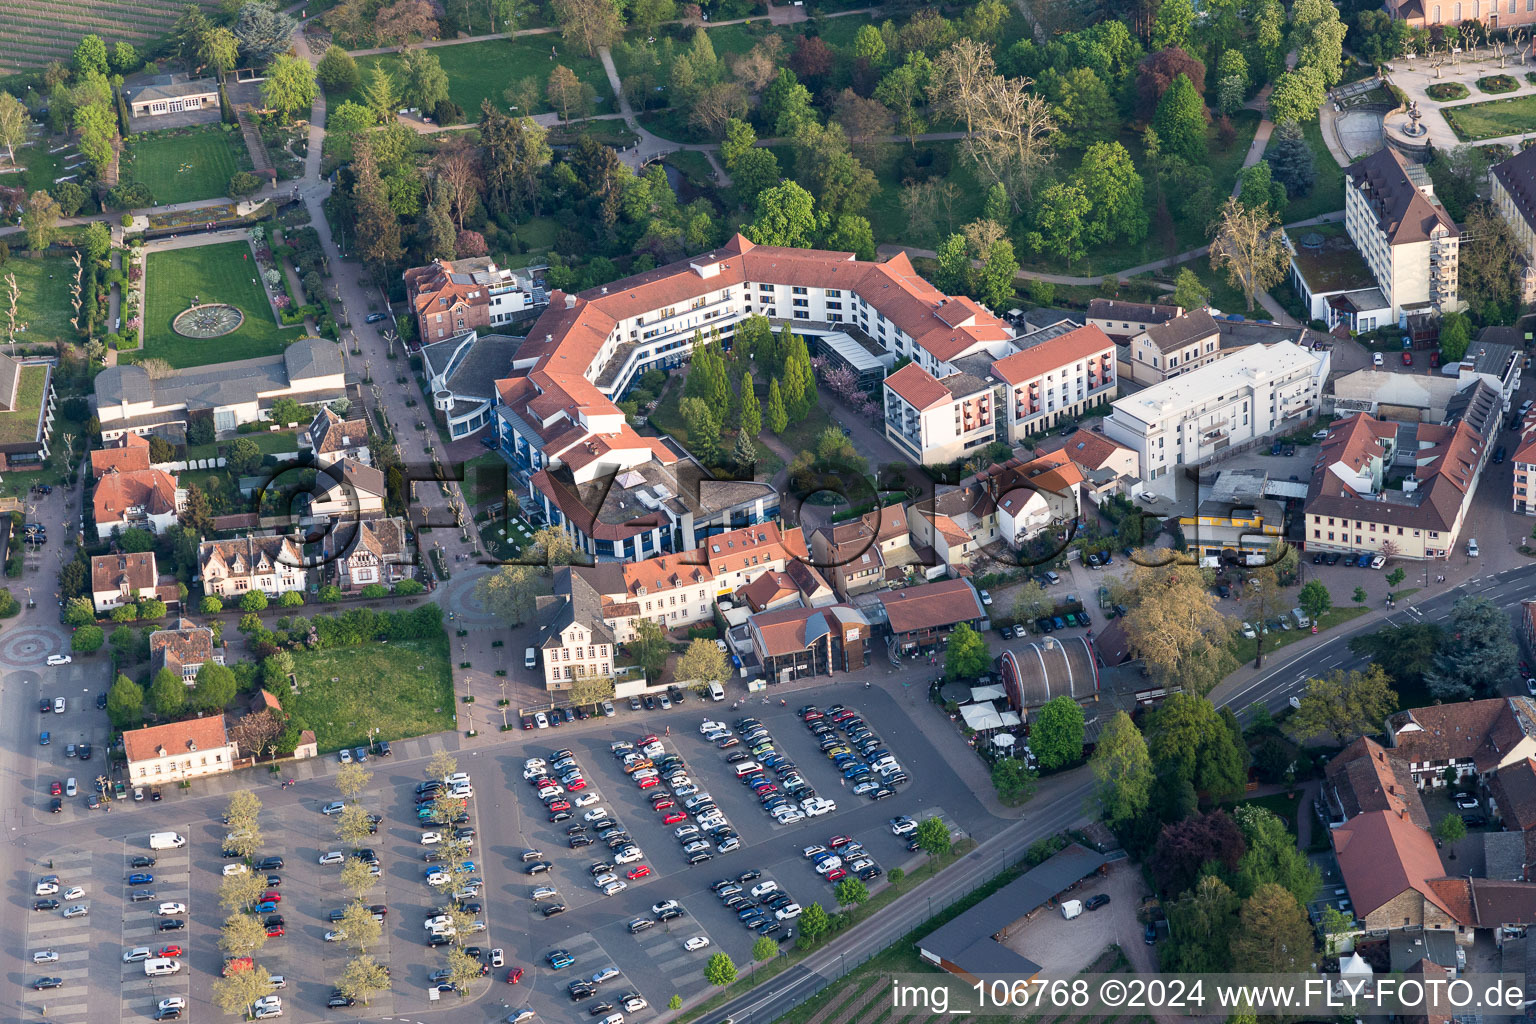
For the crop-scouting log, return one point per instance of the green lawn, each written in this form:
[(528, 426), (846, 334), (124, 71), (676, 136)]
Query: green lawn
[(1282, 806), (1244, 649), (45, 303), (212, 273), (20, 425), (270, 443), (1327, 193), (1223, 296), (183, 166), (1489, 120), (402, 688), (484, 70)]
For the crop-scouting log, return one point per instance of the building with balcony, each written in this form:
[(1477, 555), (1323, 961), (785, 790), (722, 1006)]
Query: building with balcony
[(1253, 394), (450, 297), (1404, 235), (1512, 186)]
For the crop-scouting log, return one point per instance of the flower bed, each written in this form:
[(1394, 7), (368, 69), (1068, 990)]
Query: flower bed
[(1447, 91), (1498, 83)]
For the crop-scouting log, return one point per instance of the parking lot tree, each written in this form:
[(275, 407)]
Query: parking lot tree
[(125, 702), (509, 592), (933, 838), (352, 824), (1343, 705), (362, 930), (702, 663), (650, 647), (216, 686), (236, 993), (1272, 856), (1056, 735), (243, 810), (462, 920), (357, 877), (362, 977), (1122, 770), (1273, 933), (244, 839), (1359, 596), (442, 765), (720, 970), (351, 780), (1450, 829), (1314, 599), (966, 655), (1032, 601), (814, 923), (448, 807), (87, 640), (1173, 625), (242, 935), (462, 968), (1396, 576), (240, 892), (1479, 653), (763, 949), (676, 1002), (850, 892)]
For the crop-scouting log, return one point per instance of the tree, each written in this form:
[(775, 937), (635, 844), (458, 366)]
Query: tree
[(593, 24), (359, 926), (552, 546), (361, 977), (380, 95), (1396, 576), (1122, 771), (702, 662), (1188, 742), (289, 86), (406, 21), (263, 32), (865, 120), (1314, 599), (703, 427), (1455, 336), (720, 970), (966, 654), (751, 412), (933, 838), (1479, 653), (1059, 218), (167, 693), (1173, 625), (242, 456), (1290, 160), (1451, 829), (441, 765), (97, 241), (1180, 121), (1171, 24), (1249, 248), (234, 993), (1031, 601), (353, 826), (1158, 71), (1056, 733), (218, 50), (814, 923), (994, 281), (1296, 96), (424, 83), (187, 33), (87, 640), (215, 687), (1274, 935), (40, 221), (785, 215), (253, 601), (242, 935), (1204, 919), (778, 416), (1085, 108), (1188, 292), (240, 892), (763, 949), (1272, 857), (508, 593), (1257, 190), (850, 892), (902, 91), (1115, 194), (1185, 849), (650, 647), (337, 71), (14, 122), (1317, 35), (563, 91), (351, 780), (1010, 132), (1490, 267), (1014, 781), (90, 57), (125, 702)]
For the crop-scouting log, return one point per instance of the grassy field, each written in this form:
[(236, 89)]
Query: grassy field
[(180, 167), (1244, 649), (888, 221), (1490, 120), (212, 273), (20, 425), (402, 689), (270, 443), (1223, 295), (484, 70), (45, 304)]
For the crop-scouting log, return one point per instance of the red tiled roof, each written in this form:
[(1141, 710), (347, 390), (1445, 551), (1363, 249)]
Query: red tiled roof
[(1091, 449), (917, 387), (130, 455), (931, 606), (175, 738), (153, 490), (1080, 343), (1382, 855)]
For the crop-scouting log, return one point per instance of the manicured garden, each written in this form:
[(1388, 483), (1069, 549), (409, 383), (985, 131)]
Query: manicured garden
[(483, 70), (1498, 83), (44, 305), (181, 166), (399, 687), (1490, 120), (1447, 91), (224, 272)]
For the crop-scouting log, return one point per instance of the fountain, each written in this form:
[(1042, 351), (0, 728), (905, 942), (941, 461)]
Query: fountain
[(1415, 129)]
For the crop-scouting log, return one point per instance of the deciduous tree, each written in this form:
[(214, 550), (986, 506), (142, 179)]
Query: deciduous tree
[(40, 221), (1249, 248), (1480, 652), (361, 929), (1274, 935), (361, 977), (406, 21), (289, 86), (242, 935), (786, 215), (14, 121), (591, 24), (966, 655), (1056, 733), (1272, 857), (1189, 742), (508, 593), (702, 662), (1174, 626), (234, 993), (1122, 770), (720, 970), (1344, 705), (337, 71)]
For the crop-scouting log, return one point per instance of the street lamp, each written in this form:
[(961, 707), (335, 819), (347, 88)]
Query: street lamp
[(1258, 657)]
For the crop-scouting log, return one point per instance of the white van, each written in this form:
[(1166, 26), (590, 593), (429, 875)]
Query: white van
[(530, 658), (166, 841), (716, 691), (1302, 622), (1071, 908), (747, 768), (161, 965)]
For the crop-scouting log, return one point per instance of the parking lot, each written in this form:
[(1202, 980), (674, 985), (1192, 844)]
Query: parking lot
[(94, 851)]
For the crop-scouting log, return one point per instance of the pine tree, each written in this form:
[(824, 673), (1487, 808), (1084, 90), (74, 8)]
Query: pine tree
[(778, 419), (793, 388), (745, 452), (751, 412)]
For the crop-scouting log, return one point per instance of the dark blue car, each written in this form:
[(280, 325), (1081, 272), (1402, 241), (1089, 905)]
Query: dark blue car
[(140, 878)]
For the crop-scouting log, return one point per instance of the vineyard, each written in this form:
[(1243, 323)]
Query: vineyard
[(38, 31)]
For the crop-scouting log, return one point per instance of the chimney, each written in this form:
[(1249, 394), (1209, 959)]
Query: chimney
[(570, 302), (605, 289)]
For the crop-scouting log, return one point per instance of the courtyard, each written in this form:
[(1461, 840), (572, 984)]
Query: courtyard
[(185, 165), (223, 272)]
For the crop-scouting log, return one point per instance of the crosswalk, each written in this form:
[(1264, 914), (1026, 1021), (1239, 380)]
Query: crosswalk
[(139, 995), (70, 938)]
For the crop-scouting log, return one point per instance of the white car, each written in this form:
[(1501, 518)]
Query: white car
[(696, 943), (765, 888), (173, 1003), (46, 956), (456, 779), (235, 869), (46, 889), (709, 727), (1248, 631), (604, 879), (59, 659), (628, 856), (586, 800), (431, 838), (171, 909), (635, 1001), (344, 756), (78, 910), (596, 814), (439, 878), (605, 974), (336, 936), (333, 857), (614, 888), (829, 865), (685, 831), (665, 905), (903, 826), (267, 1006), (59, 705)]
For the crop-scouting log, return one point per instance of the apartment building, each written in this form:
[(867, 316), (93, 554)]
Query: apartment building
[(450, 297), (1255, 393), (146, 498), (1512, 187), (1122, 321), (1187, 342), (1403, 233), (272, 565), (1523, 486), (1495, 14), (574, 641)]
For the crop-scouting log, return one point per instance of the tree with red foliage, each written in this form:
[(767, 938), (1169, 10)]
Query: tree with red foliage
[(812, 57), (470, 243), (1184, 847), (1157, 71)]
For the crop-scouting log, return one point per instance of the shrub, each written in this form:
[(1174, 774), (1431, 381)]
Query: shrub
[(1447, 91), (242, 184)]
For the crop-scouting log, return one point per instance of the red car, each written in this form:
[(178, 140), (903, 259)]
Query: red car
[(646, 741), (812, 715), (560, 805), (275, 932), (167, 952), (838, 841), (1434, 359), (836, 875), (271, 896), (577, 785), (1407, 358), (674, 818), (647, 783), (844, 715), (661, 802), (57, 789), (638, 871), (514, 976)]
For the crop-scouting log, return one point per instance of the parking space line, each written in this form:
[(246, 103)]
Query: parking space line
[(172, 872)]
